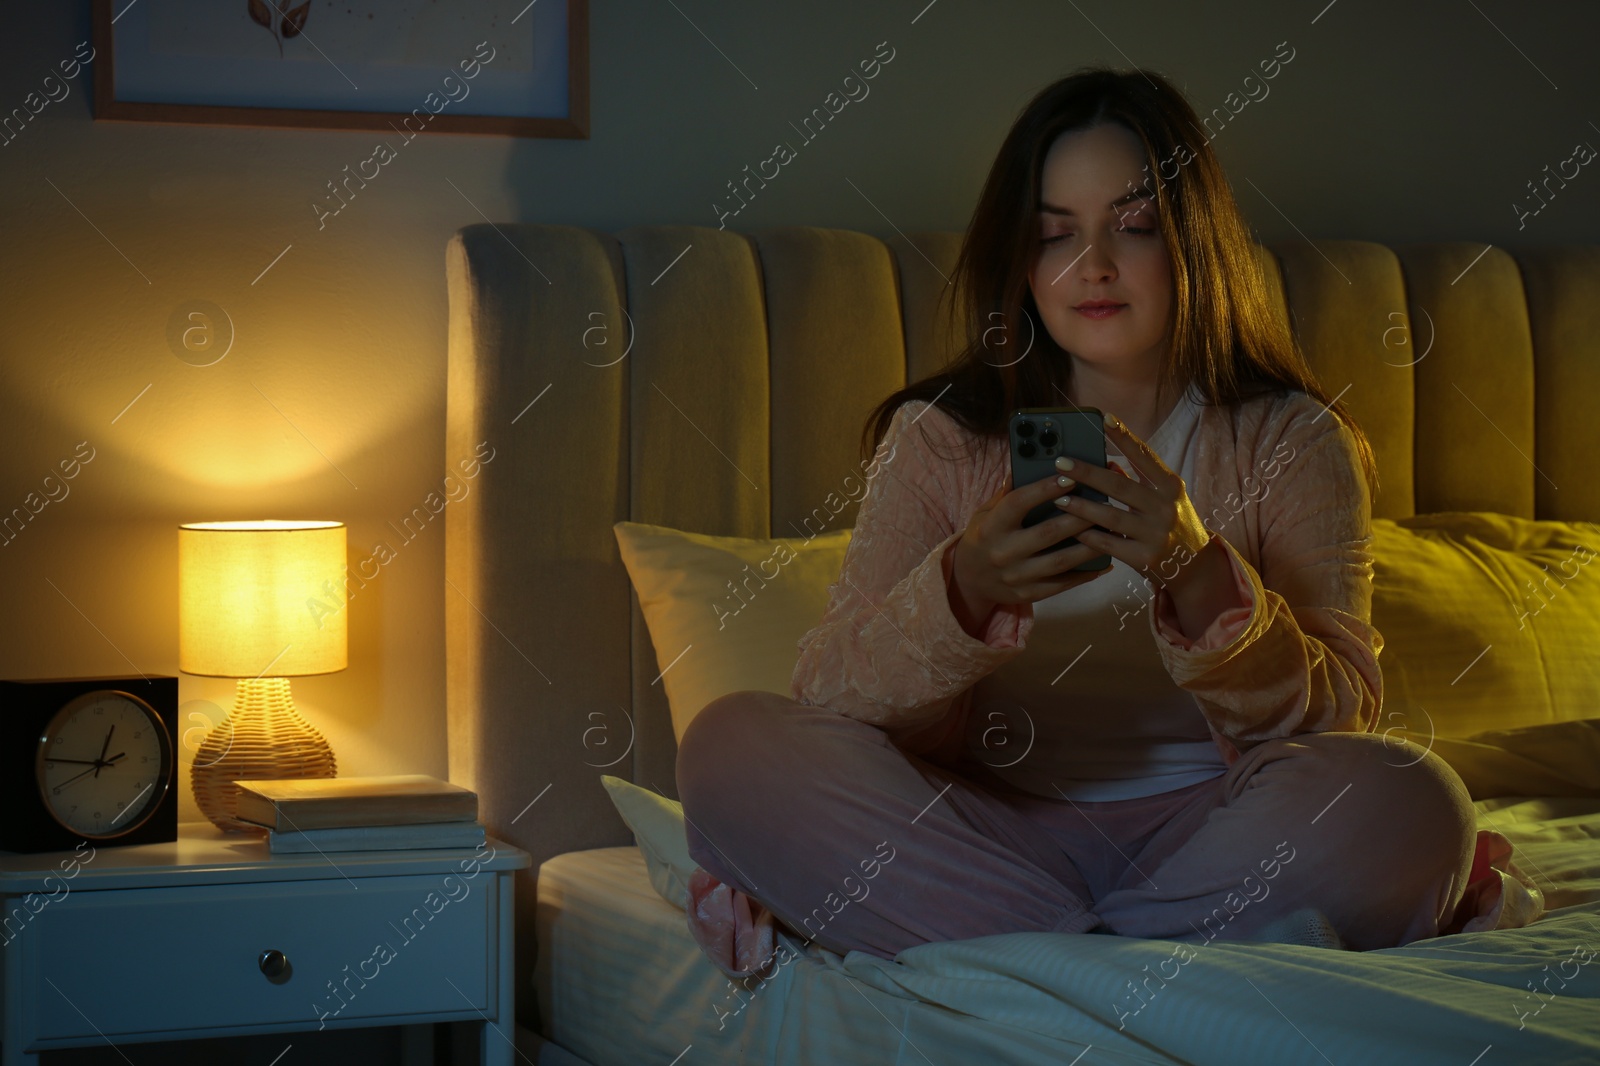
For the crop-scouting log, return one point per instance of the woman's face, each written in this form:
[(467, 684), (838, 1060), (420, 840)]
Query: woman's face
[(1092, 250)]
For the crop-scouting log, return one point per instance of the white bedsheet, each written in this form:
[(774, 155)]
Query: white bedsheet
[(620, 981)]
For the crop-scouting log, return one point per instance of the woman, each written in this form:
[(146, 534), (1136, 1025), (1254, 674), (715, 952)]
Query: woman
[(984, 738)]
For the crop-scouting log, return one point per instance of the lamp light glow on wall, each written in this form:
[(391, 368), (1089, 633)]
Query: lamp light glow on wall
[(243, 612)]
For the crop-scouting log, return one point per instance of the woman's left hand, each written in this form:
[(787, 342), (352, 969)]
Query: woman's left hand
[(1160, 533)]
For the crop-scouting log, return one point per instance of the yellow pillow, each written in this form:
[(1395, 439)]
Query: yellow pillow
[(726, 614), (1489, 622), (1553, 759)]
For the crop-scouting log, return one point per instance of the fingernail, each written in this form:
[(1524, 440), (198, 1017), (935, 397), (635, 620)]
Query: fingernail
[(1063, 463), (1065, 482)]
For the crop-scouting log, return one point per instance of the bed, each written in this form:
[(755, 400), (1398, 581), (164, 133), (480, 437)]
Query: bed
[(712, 381), (621, 981)]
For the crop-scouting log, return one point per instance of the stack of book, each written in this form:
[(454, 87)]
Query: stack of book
[(318, 814)]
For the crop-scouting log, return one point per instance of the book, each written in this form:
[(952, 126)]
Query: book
[(299, 803), (377, 838)]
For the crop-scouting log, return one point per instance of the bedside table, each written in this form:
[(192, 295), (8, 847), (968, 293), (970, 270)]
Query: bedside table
[(215, 936)]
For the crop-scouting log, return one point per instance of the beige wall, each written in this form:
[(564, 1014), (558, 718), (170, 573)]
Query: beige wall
[(330, 403)]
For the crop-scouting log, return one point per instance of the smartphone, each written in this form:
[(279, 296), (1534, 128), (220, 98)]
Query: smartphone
[(1039, 436)]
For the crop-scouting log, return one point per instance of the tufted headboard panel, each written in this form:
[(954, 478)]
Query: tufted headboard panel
[(717, 382)]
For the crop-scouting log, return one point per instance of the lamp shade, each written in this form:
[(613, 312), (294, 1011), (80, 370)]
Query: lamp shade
[(261, 599)]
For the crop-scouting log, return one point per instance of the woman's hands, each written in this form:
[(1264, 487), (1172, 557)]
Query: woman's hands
[(1160, 535), (995, 559)]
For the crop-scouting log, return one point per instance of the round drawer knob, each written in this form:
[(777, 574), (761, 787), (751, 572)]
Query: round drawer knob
[(275, 965)]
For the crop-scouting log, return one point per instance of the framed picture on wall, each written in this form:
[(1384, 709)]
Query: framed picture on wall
[(509, 67)]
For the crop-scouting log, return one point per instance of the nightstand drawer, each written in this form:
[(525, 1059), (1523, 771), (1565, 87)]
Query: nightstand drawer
[(155, 959)]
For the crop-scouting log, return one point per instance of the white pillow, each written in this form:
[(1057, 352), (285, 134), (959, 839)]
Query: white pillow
[(657, 825), (726, 614)]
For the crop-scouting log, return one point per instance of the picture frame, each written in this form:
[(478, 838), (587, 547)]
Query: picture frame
[(262, 63)]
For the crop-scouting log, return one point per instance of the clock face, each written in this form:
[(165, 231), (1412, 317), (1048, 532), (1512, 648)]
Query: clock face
[(103, 764)]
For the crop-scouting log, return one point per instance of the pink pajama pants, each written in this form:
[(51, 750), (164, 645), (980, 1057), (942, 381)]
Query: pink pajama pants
[(852, 842)]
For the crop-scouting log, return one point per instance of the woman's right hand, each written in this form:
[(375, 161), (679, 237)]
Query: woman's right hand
[(995, 559)]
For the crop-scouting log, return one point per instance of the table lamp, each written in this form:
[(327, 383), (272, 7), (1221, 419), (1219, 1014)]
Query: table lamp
[(260, 602)]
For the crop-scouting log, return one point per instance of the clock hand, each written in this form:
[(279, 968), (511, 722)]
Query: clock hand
[(85, 762), (105, 746), (94, 768)]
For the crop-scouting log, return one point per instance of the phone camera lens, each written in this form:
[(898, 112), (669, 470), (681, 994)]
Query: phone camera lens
[(1027, 449), (1048, 438), (1024, 429)]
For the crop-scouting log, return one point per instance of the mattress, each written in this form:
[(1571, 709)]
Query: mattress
[(620, 981)]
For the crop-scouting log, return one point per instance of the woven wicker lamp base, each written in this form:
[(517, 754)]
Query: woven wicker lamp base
[(263, 738)]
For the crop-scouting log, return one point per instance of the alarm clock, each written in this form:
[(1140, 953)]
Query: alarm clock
[(88, 759)]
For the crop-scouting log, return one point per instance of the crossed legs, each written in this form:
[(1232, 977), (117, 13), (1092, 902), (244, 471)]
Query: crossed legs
[(854, 843)]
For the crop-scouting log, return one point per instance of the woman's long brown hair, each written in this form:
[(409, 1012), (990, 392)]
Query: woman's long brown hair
[(1228, 340)]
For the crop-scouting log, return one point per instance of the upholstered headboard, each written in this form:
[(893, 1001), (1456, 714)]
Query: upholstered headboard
[(717, 382)]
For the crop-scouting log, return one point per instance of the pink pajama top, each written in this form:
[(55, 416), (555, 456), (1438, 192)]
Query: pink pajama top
[(1276, 480)]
